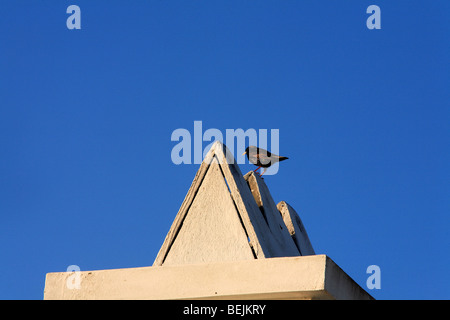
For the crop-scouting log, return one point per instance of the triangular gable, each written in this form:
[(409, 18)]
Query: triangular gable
[(279, 234), (296, 229), (219, 219)]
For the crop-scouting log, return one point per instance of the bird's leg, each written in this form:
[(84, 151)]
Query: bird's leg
[(264, 171), (256, 169)]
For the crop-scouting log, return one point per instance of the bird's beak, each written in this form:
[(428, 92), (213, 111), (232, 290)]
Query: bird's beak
[(244, 152)]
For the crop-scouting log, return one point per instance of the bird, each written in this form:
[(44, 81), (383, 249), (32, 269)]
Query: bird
[(262, 158)]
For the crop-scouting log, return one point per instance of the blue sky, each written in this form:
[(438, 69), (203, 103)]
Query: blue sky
[(86, 117)]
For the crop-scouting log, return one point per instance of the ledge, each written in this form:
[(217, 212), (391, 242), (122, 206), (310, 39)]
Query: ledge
[(303, 277)]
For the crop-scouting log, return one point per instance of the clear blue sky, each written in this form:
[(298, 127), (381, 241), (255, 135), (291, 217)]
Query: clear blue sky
[(86, 117)]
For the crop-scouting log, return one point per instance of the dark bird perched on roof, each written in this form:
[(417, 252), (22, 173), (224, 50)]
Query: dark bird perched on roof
[(262, 158)]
